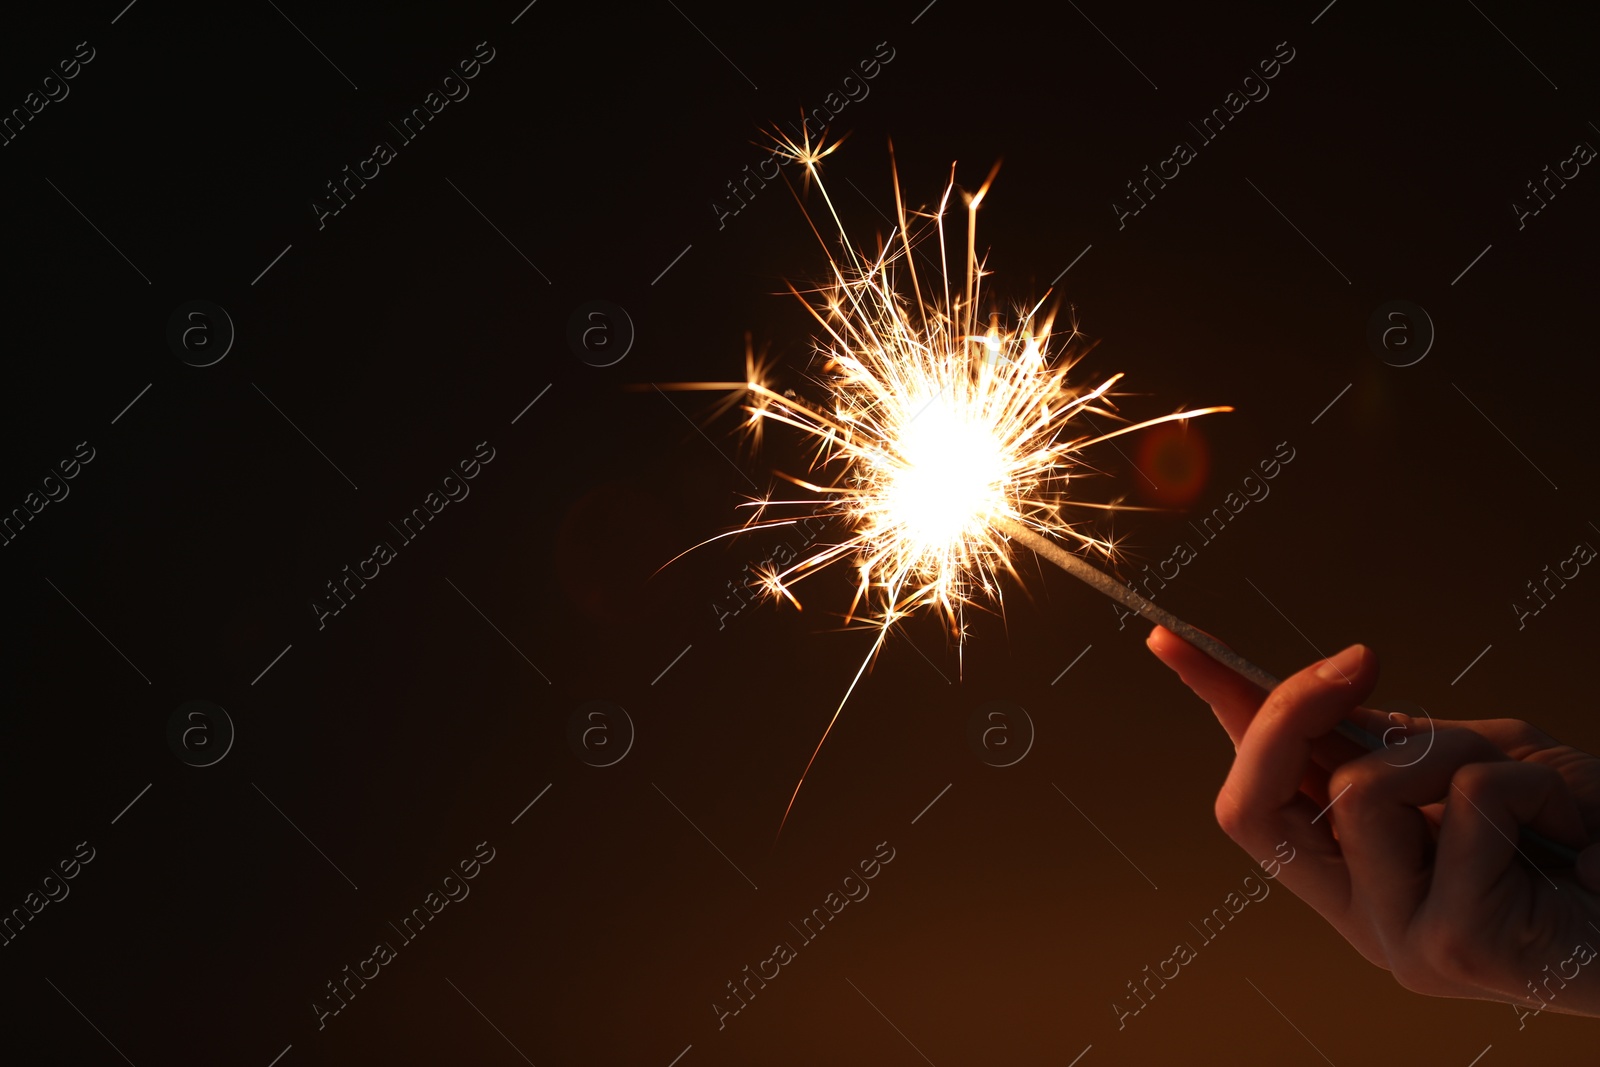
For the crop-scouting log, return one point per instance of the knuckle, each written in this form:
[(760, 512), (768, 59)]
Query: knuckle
[(1474, 780), (1292, 694), (1466, 743), (1518, 734), (1357, 784), (1231, 816)]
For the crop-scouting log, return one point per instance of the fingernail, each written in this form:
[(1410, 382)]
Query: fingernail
[(1340, 667)]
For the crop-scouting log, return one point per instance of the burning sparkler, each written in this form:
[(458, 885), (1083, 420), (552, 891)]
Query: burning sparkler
[(948, 433)]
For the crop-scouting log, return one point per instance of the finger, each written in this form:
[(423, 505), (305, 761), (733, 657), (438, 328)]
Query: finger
[(1515, 737), (1523, 741), (1261, 802), (1588, 868), (1488, 805), (1386, 839), (1233, 698), (1391, 728)]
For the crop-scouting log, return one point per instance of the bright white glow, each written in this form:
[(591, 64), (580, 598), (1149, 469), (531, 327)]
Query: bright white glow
[(947, 478)]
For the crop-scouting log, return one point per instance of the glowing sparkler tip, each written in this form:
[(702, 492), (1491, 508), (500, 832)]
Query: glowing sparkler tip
[(941, 426)]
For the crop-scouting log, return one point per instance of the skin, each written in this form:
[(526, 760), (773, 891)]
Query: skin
[(1416, 866)]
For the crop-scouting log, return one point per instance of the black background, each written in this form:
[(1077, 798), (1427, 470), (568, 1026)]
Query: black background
[(406, 330)]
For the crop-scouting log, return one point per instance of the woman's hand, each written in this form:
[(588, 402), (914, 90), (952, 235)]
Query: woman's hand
[(1413, 857)]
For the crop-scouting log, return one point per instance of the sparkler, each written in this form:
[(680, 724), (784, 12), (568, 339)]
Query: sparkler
[(949, 435)]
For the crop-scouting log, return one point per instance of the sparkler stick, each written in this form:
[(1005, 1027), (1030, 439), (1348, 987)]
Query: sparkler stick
[(1084, 571)]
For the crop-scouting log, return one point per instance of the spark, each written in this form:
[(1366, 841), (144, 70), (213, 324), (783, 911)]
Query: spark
[(940, 427)]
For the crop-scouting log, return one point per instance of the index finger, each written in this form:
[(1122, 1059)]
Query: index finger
[(1262, 803), (1235, 700)]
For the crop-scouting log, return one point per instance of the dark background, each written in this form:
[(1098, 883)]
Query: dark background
[(425, 716)]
